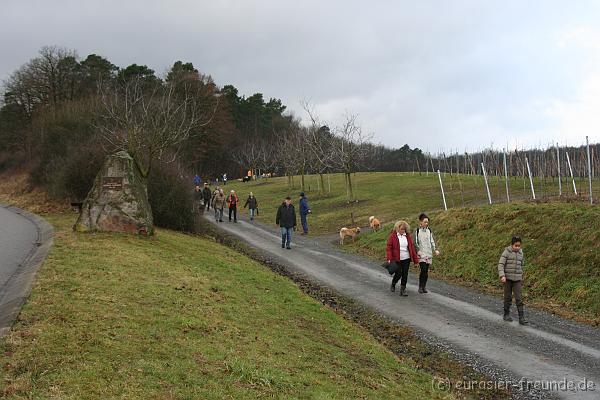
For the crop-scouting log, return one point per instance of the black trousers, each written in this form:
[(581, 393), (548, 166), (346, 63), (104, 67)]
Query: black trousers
[(234, 210), (424, 274), (207, 204), (402, 273)]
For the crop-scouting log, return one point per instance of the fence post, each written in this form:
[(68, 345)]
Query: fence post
[(589, 164), (442, 187), (530, 178), (487, 187), (558, 167), (506, 177), (571, 172)]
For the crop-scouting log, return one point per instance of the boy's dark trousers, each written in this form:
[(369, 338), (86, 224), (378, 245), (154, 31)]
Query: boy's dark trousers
[(515, 287), (207, 204), (401, 274), (234, 210), (511, 287), (423, 275)]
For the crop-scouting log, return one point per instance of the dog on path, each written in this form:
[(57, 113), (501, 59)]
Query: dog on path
[(374, 223), (352, 232)]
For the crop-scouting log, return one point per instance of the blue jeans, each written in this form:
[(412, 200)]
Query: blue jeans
[(304, 222), (218, 214), (286, 236), (251, 214)]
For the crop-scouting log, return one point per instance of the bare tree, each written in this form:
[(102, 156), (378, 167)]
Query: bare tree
[(151, 119), (320, 142), (349, 149)]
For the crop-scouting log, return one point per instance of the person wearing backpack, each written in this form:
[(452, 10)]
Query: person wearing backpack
[(426, 248)]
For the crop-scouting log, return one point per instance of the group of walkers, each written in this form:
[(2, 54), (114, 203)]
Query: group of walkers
[(402, 247), (219, 201)]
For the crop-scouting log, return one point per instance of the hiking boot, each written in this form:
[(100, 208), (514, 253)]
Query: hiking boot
[(393, 288), (425, 290), (421, 290), (507, 316), (403, 291), (522, 319)]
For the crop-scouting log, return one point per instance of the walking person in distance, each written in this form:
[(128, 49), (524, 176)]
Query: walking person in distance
[(286, 220), (252, 205)]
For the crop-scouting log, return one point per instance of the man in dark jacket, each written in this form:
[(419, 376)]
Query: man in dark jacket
[(286, 220), (304, 211), (206, 194), (252, 203), (198, 201)]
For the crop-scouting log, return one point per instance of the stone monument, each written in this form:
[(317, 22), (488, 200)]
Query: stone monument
[(118, 201)]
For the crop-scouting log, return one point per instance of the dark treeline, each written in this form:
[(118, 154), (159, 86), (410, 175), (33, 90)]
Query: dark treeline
[(60, 115)]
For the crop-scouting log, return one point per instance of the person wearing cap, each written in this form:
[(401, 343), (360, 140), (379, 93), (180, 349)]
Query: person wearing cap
[(304, 211), (232, 201), (206, 195)]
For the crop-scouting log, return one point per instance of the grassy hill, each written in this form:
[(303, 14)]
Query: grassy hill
[(177, 316), (561, 246), (387, 195)]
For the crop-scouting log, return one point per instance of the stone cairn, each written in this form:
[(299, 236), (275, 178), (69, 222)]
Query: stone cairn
[(118, 201)]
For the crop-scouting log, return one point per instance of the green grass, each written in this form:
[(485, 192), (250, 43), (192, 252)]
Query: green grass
[(176, 316), (561, 246), (387, 195)]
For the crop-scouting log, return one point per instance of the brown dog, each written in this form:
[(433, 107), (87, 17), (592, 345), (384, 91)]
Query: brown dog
[(374, 223), (352, 232)]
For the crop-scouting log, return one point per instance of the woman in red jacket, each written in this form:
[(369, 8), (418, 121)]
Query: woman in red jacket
[(401, 249)]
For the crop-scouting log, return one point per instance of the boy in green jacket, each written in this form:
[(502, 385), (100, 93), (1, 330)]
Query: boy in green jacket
[(510, 269)]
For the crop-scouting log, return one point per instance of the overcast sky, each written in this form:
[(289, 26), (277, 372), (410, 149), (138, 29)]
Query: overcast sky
[(439, 75)]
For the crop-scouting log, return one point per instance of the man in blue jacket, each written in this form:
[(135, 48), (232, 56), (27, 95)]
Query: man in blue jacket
[(304, 211)]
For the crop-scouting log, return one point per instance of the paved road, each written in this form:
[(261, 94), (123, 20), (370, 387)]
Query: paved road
[(25, 240), (549, 351), (18, 236)]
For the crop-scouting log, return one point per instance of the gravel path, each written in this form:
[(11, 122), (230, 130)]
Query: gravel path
[(550, 351)]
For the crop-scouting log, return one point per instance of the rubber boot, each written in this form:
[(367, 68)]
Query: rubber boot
[(507, 316), (522, 319), (403, 291)]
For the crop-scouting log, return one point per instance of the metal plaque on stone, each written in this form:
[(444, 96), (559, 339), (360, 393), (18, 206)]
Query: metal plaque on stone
[(112, 183)]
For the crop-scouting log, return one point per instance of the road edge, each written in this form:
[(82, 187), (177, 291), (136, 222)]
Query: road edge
[(20, 283)]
